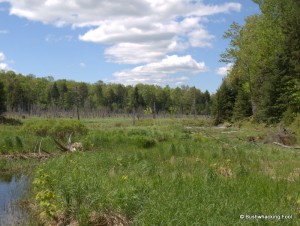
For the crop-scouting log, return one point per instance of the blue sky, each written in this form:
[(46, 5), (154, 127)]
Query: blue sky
[(164, 42)]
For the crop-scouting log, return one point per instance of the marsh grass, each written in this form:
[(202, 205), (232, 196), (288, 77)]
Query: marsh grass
[(161, 173), (35, 134)]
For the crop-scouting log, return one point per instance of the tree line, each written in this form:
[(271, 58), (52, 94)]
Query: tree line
[(264, 82), (37, 96)]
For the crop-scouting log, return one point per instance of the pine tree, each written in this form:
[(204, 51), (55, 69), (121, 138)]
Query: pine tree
[(54, 93), (242, 106), (223, 103), (291, 29)]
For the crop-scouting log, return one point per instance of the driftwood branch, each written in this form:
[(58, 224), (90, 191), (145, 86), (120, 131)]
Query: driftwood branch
[(61, 147), (70, 147), (286, 146)]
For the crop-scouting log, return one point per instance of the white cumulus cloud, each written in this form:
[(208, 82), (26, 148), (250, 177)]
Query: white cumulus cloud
[(136, 31), (161, 72), (2, 56), (3, 65), (225, 69)]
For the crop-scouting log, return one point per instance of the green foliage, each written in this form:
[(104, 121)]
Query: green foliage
[(10, 121), (195, 169), (146, 142), (28, 94), (56, 128), (2, 99), (265, 56), (46, 199), (288, 117), (19, 143), (295, 125), (8, 143), (223, 102), (242, 106)]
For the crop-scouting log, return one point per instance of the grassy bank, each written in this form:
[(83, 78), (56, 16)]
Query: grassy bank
[(169, 172), (36, 135)]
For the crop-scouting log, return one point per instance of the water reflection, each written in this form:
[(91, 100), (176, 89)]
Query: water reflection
[(12, 188)]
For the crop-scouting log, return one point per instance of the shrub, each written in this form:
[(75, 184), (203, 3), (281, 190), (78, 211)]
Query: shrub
[(64, 128), (296, 122), (19, 142), (55, 128), (38, 128), (145, 142), (8, 142), (296, 125), (289, 116)]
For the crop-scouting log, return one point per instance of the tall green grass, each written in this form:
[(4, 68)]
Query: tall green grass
[(37, 134), (169, 172)]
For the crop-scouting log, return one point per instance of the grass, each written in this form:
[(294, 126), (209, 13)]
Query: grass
[(169, 172), (158, 172), (35, 134)]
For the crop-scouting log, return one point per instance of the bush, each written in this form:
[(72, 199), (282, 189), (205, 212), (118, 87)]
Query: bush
[(8, 142), (288, 117), (296, 125), (64, 128), (145, 142), (296, 122), (10, 121), (19, 143), (55, 128)]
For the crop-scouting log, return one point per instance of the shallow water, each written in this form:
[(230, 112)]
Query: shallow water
[(12, 188)]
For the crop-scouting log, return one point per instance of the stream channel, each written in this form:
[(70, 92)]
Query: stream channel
[(12, 189)]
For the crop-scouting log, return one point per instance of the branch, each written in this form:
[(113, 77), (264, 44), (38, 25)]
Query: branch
[(60, 146), (286, 146)]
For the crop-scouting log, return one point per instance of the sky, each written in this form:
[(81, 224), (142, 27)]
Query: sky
[(162, 42)]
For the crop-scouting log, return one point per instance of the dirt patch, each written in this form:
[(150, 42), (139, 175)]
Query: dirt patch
[(109, 219)]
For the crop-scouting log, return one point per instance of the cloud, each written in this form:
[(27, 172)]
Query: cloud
[(2, 56), (136, 31), (82, 65), (94, 12), (225, 69), (135, 53), (3, 67), (168, 70), (200, 38)]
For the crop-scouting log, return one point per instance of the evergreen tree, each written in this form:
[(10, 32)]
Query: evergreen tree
[(291, 29), (223, 103), (54, 94), (242, 105), (265, 53)]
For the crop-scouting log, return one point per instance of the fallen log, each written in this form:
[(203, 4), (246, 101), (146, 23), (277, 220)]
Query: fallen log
[(286, 146), (61, 147), (27, 156)]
